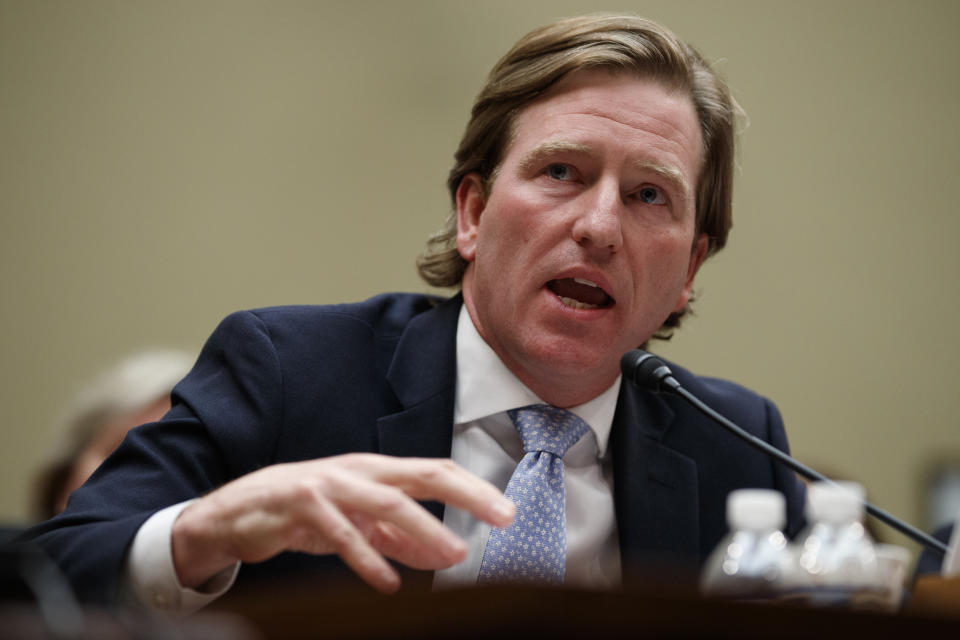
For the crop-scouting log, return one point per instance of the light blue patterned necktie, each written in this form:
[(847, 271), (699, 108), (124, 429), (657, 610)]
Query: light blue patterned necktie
[(534, 548)]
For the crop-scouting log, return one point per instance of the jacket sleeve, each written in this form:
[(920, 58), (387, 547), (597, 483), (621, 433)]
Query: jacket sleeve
[(225, 419)]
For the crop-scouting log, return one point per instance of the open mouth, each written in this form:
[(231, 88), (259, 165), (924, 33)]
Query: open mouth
[(580, 293)]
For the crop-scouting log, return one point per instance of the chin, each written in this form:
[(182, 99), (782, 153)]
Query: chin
[(565, 359)]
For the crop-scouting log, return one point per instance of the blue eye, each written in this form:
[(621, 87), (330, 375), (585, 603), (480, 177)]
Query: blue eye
[(559, 171), (651, 195)]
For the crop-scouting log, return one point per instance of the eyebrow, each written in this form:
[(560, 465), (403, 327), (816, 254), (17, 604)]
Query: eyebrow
[(669, 174), (549, 148), (542, 151)]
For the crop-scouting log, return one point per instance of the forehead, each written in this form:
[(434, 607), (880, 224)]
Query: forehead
[(631, 108)]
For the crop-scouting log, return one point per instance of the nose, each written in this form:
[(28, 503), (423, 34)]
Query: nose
[(598, 225)]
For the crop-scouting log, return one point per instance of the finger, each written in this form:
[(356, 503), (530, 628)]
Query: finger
[(398, 545), (352, 547), (437, 545), (448, 482), (444, 480)]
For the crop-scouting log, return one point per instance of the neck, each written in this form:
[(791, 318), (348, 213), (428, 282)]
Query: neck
[(563, 393), (555, 384)]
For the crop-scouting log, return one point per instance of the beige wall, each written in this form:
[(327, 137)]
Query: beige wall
[(164, 163)]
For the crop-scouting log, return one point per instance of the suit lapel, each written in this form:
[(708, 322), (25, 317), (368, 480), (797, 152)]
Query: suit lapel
[(423, 377), (655, 488)]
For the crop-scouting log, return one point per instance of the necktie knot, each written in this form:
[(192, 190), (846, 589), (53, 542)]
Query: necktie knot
[(546, 428)]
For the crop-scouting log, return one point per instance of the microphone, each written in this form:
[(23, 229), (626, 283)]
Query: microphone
[(649, 372)]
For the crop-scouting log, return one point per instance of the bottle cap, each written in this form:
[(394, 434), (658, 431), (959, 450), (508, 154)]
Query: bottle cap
[(835, 502), (758, 509)]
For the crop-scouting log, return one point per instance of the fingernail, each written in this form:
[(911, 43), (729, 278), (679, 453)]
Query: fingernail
[(504, 511), (454, 546), (390, 579)]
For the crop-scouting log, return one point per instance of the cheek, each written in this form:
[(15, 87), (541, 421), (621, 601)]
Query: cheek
[(502, 237), (660, 259)]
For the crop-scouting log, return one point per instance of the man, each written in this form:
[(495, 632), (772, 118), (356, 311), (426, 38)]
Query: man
[(592, 181)]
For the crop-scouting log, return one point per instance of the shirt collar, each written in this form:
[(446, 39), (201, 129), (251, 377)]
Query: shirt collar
[(485, 386)]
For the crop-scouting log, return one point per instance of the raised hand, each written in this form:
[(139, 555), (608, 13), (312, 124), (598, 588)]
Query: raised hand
[(361, 506)]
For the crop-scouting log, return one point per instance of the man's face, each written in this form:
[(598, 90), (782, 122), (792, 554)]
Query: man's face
[(585, 242)]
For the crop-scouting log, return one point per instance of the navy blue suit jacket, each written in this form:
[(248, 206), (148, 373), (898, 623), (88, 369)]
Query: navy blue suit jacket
[(294, 383)]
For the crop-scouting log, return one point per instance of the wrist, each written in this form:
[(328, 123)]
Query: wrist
[(197, 556)]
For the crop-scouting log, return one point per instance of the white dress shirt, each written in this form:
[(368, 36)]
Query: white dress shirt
[(486, 443)]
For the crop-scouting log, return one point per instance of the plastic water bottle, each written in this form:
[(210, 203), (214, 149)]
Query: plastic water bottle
[(835, 552), (754, 560)]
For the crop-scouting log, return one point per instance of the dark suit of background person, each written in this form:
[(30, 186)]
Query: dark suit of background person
[(294, 383)]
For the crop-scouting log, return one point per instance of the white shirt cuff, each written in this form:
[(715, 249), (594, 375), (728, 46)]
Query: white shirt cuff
[(151, 577)]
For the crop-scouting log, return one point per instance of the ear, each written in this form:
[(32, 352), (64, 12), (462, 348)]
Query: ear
[(697, 256), (471, 202)]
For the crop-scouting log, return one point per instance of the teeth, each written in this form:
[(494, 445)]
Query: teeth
[(576, 304), (586, 282)]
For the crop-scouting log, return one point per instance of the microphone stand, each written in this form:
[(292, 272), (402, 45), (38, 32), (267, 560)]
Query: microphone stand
[(647, 371)]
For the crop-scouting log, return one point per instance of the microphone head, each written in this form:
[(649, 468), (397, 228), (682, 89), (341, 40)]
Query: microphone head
[(647, 371)]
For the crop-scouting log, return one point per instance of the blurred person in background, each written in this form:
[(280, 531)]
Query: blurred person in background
[(132, 392)]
